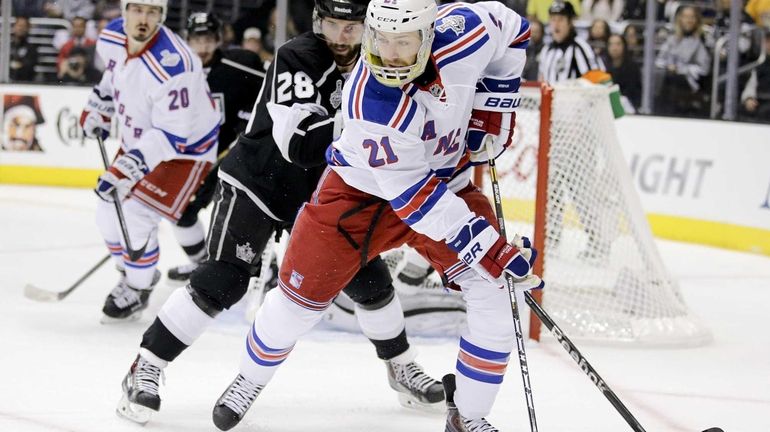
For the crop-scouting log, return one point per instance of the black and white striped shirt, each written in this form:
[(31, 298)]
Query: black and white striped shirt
[(567, 60)]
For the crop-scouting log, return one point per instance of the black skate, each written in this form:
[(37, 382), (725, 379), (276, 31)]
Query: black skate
[(181, 274), (125, 303), (455, 422), (415, 388), (140, 392), (234, 402)]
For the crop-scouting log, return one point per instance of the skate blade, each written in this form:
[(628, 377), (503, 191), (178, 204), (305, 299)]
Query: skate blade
[(133, 412), (408, 401), (131, 318)]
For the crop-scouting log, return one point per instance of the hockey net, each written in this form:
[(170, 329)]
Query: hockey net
[(565, 183)]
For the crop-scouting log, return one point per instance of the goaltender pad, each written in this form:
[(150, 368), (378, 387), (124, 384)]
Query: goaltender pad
[(564, 182)]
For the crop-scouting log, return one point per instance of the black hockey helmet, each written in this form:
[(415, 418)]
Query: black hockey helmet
[(562, 7), (203, 22), (349, 10)]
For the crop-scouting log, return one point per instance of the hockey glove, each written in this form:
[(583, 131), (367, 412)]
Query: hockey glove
[(498, 126), (96, 116), (124, 173), (480, 246)]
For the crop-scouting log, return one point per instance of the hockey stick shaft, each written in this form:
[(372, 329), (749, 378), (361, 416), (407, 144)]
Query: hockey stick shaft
[(585, 366), (549, 323), (512, 294), (35, 293), (133, 255)]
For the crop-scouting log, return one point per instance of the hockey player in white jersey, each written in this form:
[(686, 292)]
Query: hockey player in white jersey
[(155, 88), (433, 86)]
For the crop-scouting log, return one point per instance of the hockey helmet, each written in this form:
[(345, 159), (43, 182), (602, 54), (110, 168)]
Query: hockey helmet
[(560, 7), (349, 10), (203, 22), (404, 16), (162, 4)]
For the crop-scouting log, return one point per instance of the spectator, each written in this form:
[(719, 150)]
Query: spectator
[(77, 38), (78, 68), (23, 54), (228, 37), (566, 56), (598, 34), (108, 9), (607, 10), (539, 9), (536, 43), (252, 41), (634, 42), (637, 10), (685, 61), (755, 98), (624, 70), (70, 9), (759, 10), (29, 8)]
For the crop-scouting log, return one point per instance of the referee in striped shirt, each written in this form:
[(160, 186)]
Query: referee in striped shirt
[(566, 56)]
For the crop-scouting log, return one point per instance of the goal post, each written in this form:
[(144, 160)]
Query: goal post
[(564, 182)]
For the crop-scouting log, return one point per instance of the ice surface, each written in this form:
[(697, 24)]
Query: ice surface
[(60, 370)]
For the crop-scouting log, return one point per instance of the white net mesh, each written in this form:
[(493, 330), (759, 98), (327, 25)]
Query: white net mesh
[(605, 280)]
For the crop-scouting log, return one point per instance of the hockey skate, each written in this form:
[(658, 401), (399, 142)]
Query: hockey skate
[(140, 392), (180, 275), (455, 422), (125, 303), (415, 388), (234, 402)]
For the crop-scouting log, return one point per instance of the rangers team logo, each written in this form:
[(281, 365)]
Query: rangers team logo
[(453, 22), (169, 59), (245, 253), (296, 279), (336, 97)]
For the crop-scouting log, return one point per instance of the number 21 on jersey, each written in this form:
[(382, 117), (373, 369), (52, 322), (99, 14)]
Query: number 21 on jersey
[(375, 160)]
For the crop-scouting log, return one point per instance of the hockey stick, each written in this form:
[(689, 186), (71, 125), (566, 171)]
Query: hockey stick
[(133, 255), (38, 294), (511, 293), (561, 338)]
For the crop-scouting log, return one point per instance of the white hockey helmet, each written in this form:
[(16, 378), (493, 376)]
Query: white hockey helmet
[(162, 4), (400, 16)]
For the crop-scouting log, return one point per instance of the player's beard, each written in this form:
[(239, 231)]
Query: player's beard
[(142, 33), (346, 58)]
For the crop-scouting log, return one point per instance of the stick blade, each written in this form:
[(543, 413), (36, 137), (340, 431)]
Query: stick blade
[(38, 294)]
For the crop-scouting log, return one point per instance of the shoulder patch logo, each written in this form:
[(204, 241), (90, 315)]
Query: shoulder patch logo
[(169, 59), (336, 97), (245, 252), (456, 23)]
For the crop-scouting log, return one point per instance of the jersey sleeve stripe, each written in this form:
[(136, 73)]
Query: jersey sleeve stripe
[(446, 10), (181, 49), (480, 37), (458, 44), (464, 53), (521, 42), (403, 200), (155, 69), (359, 95), (409, 116), (352, 99), (422, 202)]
